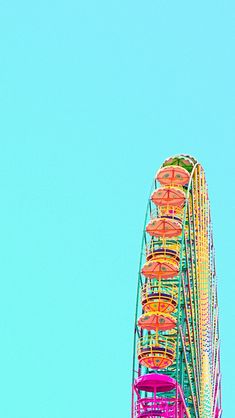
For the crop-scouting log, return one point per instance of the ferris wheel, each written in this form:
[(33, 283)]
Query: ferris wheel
[(176, 359)]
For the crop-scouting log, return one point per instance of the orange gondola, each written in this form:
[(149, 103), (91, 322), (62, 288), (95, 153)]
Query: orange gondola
[(164, 227), (160, 268), (165, 196), (159, 297), (156, 320), (173, 175), (156, 353)]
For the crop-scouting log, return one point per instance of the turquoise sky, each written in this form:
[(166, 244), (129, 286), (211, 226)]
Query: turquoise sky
[(94, 95)]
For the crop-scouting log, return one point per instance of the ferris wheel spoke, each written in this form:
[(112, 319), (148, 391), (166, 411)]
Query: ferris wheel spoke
[(191, 336), (196, 405), (192, 272)]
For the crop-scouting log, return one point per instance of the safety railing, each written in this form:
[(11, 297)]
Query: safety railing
[(153, 344), (163, 248), (173, 212), (149, 407), (159, 292)]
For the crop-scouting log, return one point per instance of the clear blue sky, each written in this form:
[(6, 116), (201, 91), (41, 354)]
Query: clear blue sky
[(93, 96)]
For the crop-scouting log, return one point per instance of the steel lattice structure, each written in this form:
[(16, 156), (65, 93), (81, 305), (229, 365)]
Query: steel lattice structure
[(176, 361)]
